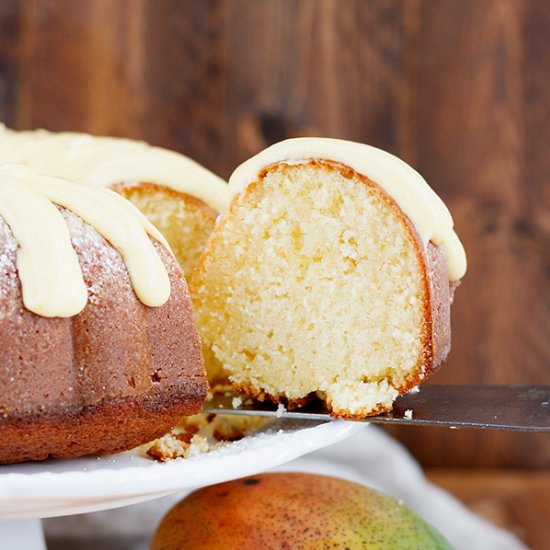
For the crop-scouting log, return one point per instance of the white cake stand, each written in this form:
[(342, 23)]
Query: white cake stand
[(32, 491)]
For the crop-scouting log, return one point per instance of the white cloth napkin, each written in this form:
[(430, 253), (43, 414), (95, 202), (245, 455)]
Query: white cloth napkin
[(370, 457)]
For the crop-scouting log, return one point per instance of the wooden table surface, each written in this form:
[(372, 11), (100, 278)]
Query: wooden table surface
[(459, 89)]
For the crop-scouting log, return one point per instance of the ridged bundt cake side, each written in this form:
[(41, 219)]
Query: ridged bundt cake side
[(318, 281), (113, 376)]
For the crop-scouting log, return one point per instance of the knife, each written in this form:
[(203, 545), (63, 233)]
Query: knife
[(499, 407)]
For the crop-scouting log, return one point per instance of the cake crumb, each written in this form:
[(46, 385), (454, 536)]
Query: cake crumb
[(416, 389), (199, 445), (281, 409), (408, 414), (173, 446), (236, 402), (199, 434)]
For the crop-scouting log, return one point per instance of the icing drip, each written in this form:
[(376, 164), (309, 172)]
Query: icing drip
[(52, 283), (106, 161), (406, 186), (50, 274)]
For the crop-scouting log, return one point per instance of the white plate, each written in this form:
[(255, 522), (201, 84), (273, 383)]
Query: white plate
[(64, 487)]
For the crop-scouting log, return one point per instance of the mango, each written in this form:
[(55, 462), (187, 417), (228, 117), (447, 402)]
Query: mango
[(293, 511)]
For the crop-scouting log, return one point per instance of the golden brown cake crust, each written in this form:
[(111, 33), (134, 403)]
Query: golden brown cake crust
[(437, 303), (114, 376), (145, 187), (111, 426)]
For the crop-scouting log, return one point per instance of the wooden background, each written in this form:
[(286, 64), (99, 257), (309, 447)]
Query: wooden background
[(459, 89)]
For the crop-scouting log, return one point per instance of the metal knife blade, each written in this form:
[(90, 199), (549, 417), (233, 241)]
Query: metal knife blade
[(499, 407)]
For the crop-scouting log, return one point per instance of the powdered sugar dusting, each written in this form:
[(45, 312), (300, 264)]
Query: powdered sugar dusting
[(8, 271), (107, 265)]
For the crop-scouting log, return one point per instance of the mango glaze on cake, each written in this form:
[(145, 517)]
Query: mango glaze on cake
[(105, 161), (178, 195), (47, 263)]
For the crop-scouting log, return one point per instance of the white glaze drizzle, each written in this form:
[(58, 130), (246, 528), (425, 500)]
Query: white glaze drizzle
[(406, 186), (51, 278), (106, 161)]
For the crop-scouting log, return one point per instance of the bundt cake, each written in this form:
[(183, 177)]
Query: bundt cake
[(99, 351), (180, 197), (330, 274)]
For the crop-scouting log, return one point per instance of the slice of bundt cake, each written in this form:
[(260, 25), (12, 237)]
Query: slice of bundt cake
[(330, 274), (99, 351), (179, 196)]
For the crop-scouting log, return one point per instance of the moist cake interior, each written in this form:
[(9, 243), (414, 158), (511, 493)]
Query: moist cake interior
[(315, 283), (185, 221)]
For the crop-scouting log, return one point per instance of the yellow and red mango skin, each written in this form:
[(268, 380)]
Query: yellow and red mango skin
[(293, 511)]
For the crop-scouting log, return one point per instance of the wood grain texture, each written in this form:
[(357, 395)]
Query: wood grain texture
[(473, 136), (457, 88)]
